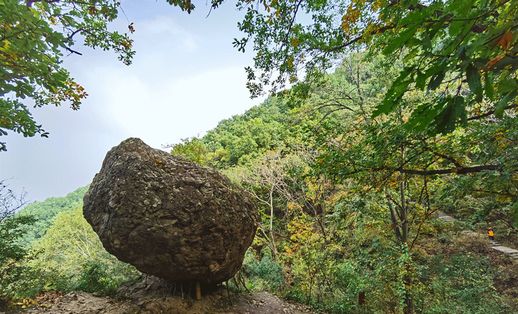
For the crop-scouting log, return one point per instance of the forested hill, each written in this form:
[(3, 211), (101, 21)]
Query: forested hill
[(276, 125), (45, 211), (242, 138), (349, 199), (348, 205), (385, 177)]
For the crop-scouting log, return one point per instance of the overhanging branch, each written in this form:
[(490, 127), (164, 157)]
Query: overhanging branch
[(457, 170)]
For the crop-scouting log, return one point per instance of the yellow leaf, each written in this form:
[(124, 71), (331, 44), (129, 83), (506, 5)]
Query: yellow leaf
[(294, 42)]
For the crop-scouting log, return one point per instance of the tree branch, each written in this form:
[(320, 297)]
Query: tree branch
[(489, 113), (457, 170), (72, 51)]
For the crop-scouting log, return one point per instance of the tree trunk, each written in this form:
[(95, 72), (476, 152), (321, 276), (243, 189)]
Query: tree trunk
[(274, 247), (409, 301), (398, 210)]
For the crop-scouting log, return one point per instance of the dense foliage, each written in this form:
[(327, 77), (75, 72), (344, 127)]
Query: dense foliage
[(348, 205), (349, 169), (44, 212), (49, 246), (12, 251), (34, 37), (70, 257), (446, 46), (349, 201)]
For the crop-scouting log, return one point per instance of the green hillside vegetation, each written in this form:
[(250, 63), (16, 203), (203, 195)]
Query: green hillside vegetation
[(70, 257), (396, 111), (45, 211), (349, 202), (57, 250), (348, 205)]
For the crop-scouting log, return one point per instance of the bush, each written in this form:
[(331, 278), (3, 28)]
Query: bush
[(70, 257), (11, 255), (263, 274), (98, 278), (461, 284)]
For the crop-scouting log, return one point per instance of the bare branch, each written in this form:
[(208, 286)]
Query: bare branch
[(10, 202)]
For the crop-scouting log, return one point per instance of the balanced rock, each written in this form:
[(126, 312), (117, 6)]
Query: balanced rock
[(169, 217)]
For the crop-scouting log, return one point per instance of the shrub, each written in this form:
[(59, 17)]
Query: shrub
[(264, 273), (11, 255), (70, 257)]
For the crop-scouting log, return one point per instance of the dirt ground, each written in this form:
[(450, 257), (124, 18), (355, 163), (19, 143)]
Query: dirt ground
[(85, 303), (150, 296)]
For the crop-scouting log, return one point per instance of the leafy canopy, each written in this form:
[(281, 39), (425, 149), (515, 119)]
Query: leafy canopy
[(34, 38), (70, 257), (44, 213), (12, 228), (463, 53), (356, 216)]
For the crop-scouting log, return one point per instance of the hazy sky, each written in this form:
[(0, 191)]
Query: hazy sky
[(185, 78)]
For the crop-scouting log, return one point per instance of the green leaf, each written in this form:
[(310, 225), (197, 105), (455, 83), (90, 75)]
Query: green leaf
[(423, 115), (395, 92), (474, 83), (502, 104), (489, 89), (399, 41), (392, 99), (436, 80), (420, 81), (427, 42), (507, 85), (454, 111)]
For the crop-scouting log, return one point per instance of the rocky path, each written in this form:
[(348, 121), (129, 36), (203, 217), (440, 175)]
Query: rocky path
[(504, 249), (513, 253)]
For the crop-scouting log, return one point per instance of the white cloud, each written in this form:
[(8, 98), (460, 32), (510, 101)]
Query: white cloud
[(166, 109), (167, 94), (164, 29), (183, 81)]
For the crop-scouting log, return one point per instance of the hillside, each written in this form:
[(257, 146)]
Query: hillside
[(345, 226), (348, 208), (379, 174), (45, 211)]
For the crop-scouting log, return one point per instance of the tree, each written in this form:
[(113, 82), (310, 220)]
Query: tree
[(445, 46), (192, 149), (10, 202), (34, 37), (11, 230), (71, 257), (353, 226), (44, 213), (268, 180), (404, 166)]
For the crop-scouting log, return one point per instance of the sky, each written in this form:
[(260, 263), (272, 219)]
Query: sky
[(185, 78)]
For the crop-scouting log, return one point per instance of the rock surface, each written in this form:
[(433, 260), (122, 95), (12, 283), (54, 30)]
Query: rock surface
[(169, 217)]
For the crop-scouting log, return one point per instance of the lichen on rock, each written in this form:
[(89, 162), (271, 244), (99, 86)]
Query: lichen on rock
[(169, 217)]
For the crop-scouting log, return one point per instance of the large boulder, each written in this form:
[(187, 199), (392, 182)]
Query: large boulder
[(169, 217)]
